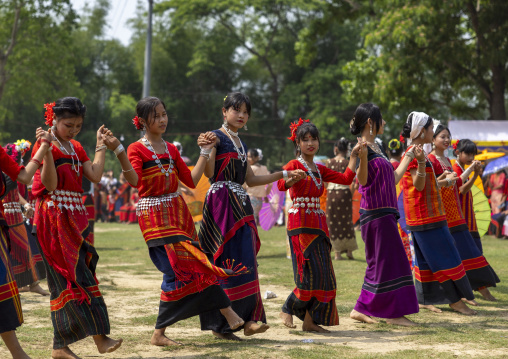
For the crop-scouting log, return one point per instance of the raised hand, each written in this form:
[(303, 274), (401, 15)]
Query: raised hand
[(419, 153), (110, 141), (207, 140), (41, 134), (297, 175)]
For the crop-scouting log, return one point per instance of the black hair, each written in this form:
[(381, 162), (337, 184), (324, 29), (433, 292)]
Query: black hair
[(147, 106), (235, 100), (306, 128), (406, 130), (361, 116), (467, 146), (440, 128), (342, 145), (395, 147), (68, 107), (10, 148), (253, 152)]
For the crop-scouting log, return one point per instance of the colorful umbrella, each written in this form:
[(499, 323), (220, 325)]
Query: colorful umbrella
[(271, 211), (481, 209), (195, 197), (495, 166), (485, 155)]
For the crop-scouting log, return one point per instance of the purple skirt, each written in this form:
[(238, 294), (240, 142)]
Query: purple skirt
[(388, 290)]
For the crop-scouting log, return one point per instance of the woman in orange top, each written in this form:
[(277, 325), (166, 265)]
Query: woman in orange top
[(440, 275)]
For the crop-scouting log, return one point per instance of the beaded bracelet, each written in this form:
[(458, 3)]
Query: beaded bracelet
[(100, 148), (421, 174), (125, 171), (43, 140)]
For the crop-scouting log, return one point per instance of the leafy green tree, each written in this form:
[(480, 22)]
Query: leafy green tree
[(448, 58)]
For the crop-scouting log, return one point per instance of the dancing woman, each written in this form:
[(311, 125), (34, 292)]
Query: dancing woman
[(313, 299), (11, 315), (388, 290), (27, 270), (77, 306), (339, 206), (465, 152), (440, 275), (479, 272), (189, 285), (228, 230)]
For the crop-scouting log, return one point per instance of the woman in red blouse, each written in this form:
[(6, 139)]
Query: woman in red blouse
[(11, 315), (77, 307), (190, 282), (313, 299)]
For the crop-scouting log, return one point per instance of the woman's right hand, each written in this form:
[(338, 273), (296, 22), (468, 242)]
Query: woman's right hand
[(41, 134), (419, 153)]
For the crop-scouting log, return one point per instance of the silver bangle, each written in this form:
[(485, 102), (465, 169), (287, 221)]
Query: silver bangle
[(421, 174), (205, 155), (119, 150), (131, 169), (205, 151), (285, 175), (100, 148)]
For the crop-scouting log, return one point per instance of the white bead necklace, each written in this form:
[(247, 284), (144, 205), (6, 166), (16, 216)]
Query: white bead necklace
[(72, 154), (156, 158), (376, 149), (242, 155), (309, 172)]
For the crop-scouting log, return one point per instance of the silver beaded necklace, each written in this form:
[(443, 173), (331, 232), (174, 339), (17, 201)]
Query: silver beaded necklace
[(241, 154), (72, 154), (309, 172), (156, 158)]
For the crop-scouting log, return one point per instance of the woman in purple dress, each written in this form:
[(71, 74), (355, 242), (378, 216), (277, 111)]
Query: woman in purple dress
[(388, 290)]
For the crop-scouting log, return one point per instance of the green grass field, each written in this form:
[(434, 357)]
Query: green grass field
[(131, 287)]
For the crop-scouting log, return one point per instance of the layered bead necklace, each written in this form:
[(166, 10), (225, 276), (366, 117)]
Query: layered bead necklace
[(242, 155), (72, 154), (164, 171), (309, 172), (375, 148)]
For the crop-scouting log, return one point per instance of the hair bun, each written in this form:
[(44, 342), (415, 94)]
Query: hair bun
[(354, 129), (406, 130)]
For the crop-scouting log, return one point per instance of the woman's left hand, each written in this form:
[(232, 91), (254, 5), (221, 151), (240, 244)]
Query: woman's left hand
[(110, 141), (29, 212)]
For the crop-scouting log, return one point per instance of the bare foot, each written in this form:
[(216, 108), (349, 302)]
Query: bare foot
[(287, 320), (105, 344), (252, 328), (233, 319), (402, 321), (350, 255), (226, 336), (430, 307), (487, 295), (161, 340), (362, 317), (38, 289), (63, 353), (461, 307), (309, 325), (338, 257), (24, 289), (470, 302)]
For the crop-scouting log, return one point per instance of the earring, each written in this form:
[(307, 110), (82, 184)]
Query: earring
[(371, 130), (225, 122), (298, 148), (246, 129), (422, 136)]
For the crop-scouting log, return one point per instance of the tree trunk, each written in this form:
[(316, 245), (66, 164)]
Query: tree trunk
[(497, 101)]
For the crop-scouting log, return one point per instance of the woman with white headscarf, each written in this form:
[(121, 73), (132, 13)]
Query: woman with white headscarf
[(439, 272)]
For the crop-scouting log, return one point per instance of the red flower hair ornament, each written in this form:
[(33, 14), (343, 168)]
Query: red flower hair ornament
[(402, 139), (49, 114), (136, 123), (455, 145), (294, 126)]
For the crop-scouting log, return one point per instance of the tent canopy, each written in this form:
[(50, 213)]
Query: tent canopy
[(488, 135)]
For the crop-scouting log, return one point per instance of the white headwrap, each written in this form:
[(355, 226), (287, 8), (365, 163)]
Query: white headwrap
[(260, 154), (419, 120), (428, 147), (178, 146)]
